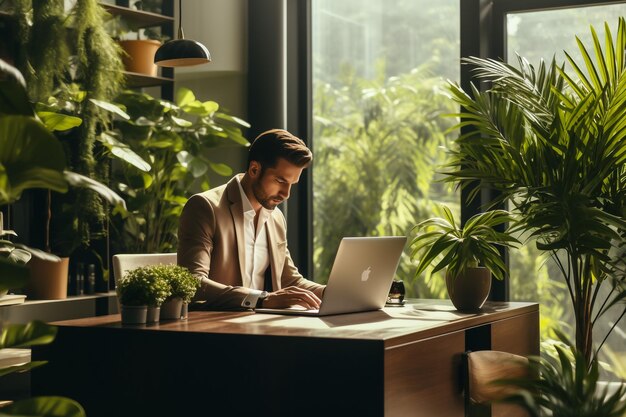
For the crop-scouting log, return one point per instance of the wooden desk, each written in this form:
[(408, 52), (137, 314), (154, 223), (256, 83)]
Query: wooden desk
[(401, 361)]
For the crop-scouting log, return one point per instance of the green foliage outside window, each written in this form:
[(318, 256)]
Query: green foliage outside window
[(377, 144)]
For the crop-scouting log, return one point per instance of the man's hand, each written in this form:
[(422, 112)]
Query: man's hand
[(291, 296)]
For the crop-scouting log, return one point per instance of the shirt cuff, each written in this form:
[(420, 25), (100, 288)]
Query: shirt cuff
[(251, 299)]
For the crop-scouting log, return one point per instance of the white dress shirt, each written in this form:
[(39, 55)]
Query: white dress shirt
[(257, 256)]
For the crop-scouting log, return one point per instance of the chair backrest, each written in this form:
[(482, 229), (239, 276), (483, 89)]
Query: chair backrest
[(482, 369), (125, 262)]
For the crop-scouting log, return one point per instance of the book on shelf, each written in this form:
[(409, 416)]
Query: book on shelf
[(10, 299)]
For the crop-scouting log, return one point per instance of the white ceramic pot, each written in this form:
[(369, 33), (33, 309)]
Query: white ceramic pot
[(134, 314), (172, 309), (152, 315)]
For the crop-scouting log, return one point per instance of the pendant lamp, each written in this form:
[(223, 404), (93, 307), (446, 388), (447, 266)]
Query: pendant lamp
[(181, 52)]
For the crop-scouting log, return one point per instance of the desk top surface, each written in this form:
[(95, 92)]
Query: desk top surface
[(392, 325)]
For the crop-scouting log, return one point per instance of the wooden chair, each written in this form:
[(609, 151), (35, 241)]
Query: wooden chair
[(126, 262), (481, 394)]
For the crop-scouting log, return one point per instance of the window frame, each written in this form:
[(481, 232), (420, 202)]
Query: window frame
[(483, 34)]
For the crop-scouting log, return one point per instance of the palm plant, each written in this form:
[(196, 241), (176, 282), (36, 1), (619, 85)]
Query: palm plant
[(459, 248), (566, 387), (553, 143)]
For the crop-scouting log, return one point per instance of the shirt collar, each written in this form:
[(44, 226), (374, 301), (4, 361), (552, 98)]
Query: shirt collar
[(247, 206)]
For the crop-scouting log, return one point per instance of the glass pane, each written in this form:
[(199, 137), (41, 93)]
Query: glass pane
[(379, 68), (544, 35)]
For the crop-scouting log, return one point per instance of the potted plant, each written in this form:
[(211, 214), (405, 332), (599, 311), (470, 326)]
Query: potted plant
[(141, 291), (16, 253), (463, 250), (182, 286), (138, 44), (551, 141)]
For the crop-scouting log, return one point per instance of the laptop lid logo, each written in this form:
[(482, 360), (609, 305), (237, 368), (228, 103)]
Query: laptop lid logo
[(365, 275)]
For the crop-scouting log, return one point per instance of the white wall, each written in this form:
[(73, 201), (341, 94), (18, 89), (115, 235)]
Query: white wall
[(221, 25)]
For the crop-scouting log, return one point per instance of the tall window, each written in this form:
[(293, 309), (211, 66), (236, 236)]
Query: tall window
[(544, 35), (379, 71)]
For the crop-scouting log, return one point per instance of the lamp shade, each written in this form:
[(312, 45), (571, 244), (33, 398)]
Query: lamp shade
[(181, 53)]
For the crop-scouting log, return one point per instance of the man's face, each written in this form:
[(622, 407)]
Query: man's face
[(273, 186)]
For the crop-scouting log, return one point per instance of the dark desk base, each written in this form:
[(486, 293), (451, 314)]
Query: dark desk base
[(125, 374)]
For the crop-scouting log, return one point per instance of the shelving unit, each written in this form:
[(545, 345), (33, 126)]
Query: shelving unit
[(143, 19), (138, 18), (136, 80)]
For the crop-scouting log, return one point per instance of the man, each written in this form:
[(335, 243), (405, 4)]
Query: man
[(234, 240)]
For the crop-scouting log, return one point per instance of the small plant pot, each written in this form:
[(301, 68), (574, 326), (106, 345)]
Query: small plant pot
[(469, 291), (134, 314), (139, 56), (48, 279), (152, 315), (185, 312), (172, 309)]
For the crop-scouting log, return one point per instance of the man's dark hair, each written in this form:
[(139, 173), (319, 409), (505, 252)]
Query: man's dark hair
[(278, 143)]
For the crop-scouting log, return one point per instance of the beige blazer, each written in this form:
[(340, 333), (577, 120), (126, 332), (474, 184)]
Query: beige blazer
[(211, 245)]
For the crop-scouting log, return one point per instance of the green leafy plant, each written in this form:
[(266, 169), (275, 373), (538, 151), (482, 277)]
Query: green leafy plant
[(182, 283), (31, 157), (553, 143), (567, 386), (16, 254), (458, 248), (173, 147), (145, 285), (9, 250), (60, 51)]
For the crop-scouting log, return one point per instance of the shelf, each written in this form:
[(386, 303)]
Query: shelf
[(78, 306), (137, 18), (69, 299), (134, 80)]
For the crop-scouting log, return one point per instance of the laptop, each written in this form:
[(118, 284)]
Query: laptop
[(360, 278)]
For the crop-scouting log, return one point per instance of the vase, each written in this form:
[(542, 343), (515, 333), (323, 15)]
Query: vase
[(48, 279), (134, 314), (469, 291), (172, 309)]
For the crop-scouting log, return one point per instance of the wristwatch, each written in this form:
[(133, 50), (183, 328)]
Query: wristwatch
[(262, 297)]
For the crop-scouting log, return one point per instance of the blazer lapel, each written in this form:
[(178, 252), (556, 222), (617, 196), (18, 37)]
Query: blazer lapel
[(236, 210)]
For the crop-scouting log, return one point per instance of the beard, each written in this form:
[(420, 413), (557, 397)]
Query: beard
[(267, 201)]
